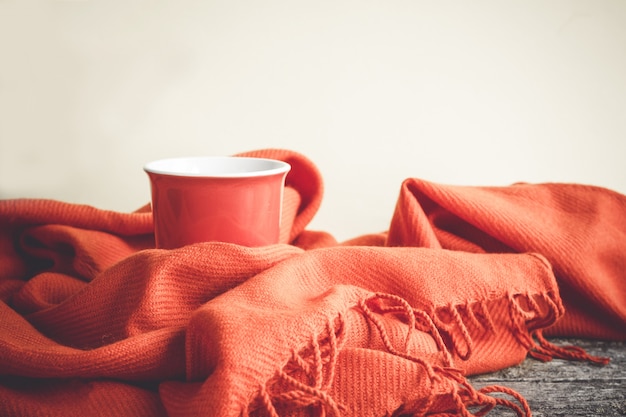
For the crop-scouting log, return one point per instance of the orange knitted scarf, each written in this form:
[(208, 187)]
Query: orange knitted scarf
[(467, 280)]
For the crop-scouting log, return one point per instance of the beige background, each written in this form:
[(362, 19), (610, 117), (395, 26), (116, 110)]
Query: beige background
[(464, 92)]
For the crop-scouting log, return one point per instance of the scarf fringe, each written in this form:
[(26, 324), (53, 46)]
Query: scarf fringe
[(524, 310), (545, 351), (306, 378), (464, 396), (303, 383)]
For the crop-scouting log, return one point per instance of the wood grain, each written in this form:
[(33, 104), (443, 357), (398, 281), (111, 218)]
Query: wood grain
[(565, 388)]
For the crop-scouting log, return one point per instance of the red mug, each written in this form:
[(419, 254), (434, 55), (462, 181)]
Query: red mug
[(227, 199)]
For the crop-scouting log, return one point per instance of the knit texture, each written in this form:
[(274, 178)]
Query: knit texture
[(96, 322)]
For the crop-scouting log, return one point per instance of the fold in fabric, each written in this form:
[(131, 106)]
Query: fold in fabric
[(581, 230), (94, 321)]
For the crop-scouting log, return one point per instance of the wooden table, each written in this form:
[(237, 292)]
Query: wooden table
[(565, 388)]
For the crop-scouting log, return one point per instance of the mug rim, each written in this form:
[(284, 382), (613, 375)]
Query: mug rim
[(223, 166)]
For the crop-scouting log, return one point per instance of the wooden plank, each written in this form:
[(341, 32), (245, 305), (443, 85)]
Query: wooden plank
[(567, 388)]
